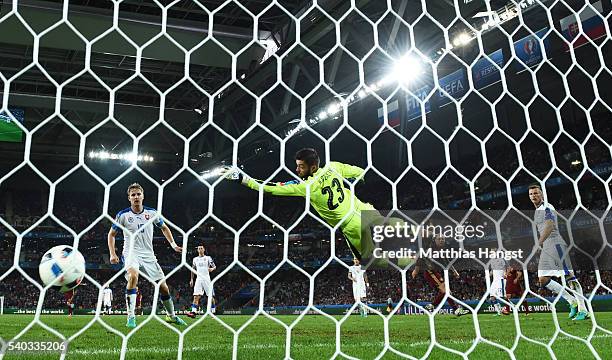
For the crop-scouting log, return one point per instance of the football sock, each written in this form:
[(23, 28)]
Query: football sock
[(130, 301), (168, 305), (497, 306), (556, 288), (579, 295), (438, 299)]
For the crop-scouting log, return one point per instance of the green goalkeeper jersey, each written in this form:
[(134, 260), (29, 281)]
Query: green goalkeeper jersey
[(328, 194)]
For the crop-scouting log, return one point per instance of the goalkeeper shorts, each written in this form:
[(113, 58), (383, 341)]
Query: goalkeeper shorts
[(358, 235)]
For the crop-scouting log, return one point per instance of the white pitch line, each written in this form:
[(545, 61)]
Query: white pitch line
[(217, 346)]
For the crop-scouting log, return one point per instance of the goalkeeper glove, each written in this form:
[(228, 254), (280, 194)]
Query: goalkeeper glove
[(233, 174)]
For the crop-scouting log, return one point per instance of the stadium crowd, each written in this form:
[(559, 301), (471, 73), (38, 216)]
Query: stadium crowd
[(261, 244)]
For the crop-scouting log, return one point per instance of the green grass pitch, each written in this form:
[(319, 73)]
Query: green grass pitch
[(314, 337)]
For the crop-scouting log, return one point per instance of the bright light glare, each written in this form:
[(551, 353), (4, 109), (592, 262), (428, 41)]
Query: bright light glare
[(407, 69), (212, 173), (333, 108), (322, 115), (462, 39), (133, 157)]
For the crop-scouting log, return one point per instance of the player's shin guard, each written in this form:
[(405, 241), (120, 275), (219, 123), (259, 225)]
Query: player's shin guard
[(557, 288), (130, 301), (168, 305), (578, 294)]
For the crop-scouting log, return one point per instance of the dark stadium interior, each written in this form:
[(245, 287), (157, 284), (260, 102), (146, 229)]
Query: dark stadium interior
[(550, 127)]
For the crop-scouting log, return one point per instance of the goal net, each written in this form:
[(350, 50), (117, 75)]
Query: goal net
[(454, 110)]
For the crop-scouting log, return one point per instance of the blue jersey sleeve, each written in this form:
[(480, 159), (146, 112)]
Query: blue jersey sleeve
[(117, 221)]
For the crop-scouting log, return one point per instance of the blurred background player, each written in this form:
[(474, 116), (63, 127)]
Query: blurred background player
[(498, 286), (360, 281), (204, 265), (432, 273), (69, 297), (141, 257), (139, 310), (554, 257), (107, 298), (514, 288)]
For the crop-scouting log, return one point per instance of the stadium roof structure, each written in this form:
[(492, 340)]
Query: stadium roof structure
[(137, 105)]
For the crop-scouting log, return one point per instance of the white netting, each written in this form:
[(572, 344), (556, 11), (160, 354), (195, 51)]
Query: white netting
[(531, 24)]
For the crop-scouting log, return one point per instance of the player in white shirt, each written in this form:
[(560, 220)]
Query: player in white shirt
[(107, 297), (139, 256), (498, 284), (554, 258), (204, 265), (360, 282)]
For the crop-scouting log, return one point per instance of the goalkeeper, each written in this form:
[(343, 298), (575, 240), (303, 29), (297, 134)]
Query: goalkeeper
[(329, 196)]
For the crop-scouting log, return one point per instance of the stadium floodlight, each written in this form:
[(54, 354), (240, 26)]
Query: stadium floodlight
[(133, 157), (462, 39), (333, 108), (322, 115), (407, 69)]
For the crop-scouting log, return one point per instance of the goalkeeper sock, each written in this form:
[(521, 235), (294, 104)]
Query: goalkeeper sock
[(168, 305), (557, 288), (578, 294), (130, 301)]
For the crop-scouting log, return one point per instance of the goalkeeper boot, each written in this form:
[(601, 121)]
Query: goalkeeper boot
[(175, 320), (573, 311), (131, 322), (191, 314), (461, 311), (581, 315)]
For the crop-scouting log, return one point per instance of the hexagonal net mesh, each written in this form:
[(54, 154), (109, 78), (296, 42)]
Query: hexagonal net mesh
[(451, 110)]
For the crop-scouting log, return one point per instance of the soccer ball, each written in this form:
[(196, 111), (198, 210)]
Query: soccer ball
[(62, 266)]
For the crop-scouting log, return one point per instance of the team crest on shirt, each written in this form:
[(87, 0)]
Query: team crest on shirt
[(147, 216), (130, 219)]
